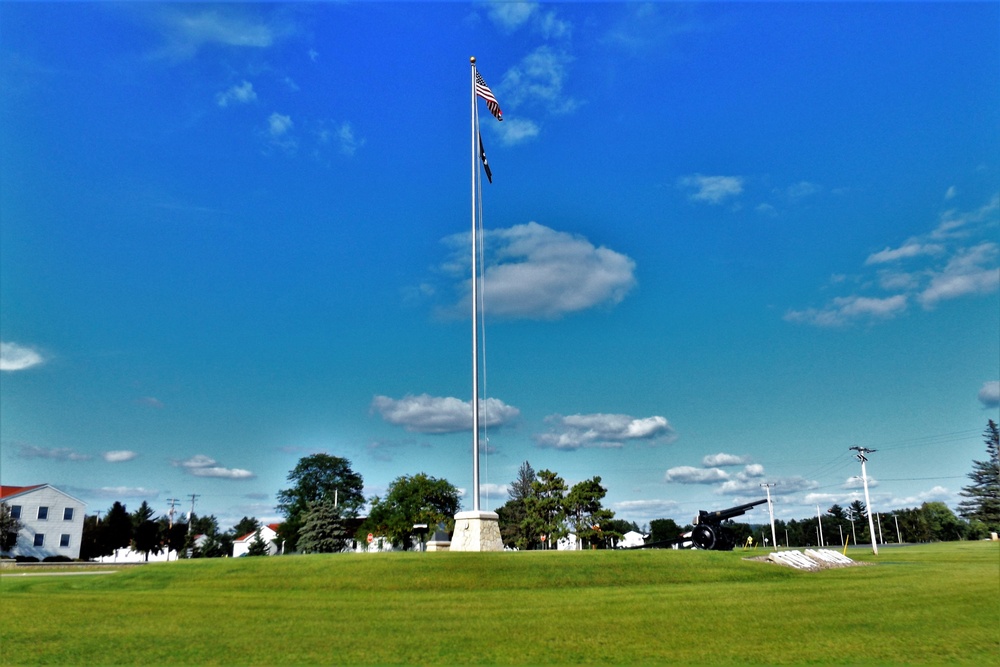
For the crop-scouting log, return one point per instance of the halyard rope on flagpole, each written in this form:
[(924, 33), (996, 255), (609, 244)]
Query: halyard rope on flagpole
[(475, 304)]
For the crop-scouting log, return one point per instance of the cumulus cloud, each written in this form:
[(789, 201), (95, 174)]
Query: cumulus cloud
[(721, 460), (601, 430), (279, 124), (439, 414), (712, 189), (535, 272), (14, 357), (989, 394), (200, 465), (645, 510), (511, 15), (241, 93), (119, 456), (692, 475), (51, 453)]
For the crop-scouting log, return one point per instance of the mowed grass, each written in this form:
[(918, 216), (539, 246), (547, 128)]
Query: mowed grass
[(927, 604)]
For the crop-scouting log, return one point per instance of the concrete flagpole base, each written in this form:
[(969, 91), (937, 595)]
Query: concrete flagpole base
[(477, 531)]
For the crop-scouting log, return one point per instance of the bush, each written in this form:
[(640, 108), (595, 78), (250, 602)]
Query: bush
[(26, 559), (56, 559)]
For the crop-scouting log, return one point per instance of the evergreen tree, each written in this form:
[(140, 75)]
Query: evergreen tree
[(145, 531), (324, 529), (116, 529), (9, 527), (586, 514), (258, 546), (514, 512), (983, 494), (546, 513)]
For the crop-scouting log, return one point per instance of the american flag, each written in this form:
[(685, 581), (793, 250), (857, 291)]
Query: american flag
[(483, 91)]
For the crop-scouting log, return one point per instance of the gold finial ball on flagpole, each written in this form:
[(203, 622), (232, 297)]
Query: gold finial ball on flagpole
[(472, 60)]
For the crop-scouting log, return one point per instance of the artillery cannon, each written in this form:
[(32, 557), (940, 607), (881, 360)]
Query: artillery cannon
[(708, 532)]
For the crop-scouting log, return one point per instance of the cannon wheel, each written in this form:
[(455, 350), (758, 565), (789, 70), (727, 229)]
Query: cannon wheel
[(703, 536)]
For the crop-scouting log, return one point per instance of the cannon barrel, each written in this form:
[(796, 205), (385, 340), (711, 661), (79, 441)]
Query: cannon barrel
[(719, 516)]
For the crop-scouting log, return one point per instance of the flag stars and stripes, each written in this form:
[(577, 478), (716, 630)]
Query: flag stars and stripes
[(483, 91)]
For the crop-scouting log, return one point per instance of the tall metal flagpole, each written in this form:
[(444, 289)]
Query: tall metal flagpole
[(475, 308)]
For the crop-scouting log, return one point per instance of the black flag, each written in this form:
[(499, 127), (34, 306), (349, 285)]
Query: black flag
[(482, 156)]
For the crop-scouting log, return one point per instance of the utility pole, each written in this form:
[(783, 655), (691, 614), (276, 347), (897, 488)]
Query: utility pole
[(899, 536), (819, 521), (170, 514), (770, 511), (868, 503), (191, 515)]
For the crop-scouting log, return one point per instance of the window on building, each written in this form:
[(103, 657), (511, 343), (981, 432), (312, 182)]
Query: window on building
[(15, 511), (64, 540), (39, 539), (68, 514), (43, 513)]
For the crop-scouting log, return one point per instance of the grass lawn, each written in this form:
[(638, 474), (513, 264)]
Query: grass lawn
[(920, 605)]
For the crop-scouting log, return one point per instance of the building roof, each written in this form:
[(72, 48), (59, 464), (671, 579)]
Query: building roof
[(7, 491), (249, 536), (13, 491)]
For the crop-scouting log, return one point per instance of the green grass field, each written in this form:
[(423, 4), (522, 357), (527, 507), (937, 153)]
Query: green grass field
[(920, 605)]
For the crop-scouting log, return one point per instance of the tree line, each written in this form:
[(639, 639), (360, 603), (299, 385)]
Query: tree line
[(322, 515)]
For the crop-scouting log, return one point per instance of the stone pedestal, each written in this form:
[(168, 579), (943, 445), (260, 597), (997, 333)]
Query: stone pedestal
[(476, 531)]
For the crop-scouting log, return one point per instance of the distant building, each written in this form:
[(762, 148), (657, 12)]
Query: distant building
[(51, 520), (268, 533), (632, 539)]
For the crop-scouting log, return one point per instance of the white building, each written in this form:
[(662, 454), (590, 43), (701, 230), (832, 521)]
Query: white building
[(268, 533), (51, 520)]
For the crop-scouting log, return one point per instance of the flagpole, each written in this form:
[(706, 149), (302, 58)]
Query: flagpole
[(475, 311)]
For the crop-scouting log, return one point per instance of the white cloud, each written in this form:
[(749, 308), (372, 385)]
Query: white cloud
[(989, 394), (855, 482), (538, 80), (601, 430), (951, 193), (907, 250), (721, 460), (200, 465), (712, 189), (435, 414), (946, 263), (516, 131), (847, 310), (123, 492), (279, 124), (189, 28), (535, 272), (692, 475), (51, 453), (14, 357), (748, 483), (644, 511), (119, 456), (970, 271), (511, 15), (242, 93)]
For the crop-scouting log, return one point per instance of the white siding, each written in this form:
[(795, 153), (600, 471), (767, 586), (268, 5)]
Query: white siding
[(53, 529)]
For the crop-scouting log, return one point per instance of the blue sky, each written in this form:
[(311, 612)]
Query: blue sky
[(725, 243)]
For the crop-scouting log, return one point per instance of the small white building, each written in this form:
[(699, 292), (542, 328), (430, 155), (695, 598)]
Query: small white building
[(268, 533), (631, 539), (51, 520)]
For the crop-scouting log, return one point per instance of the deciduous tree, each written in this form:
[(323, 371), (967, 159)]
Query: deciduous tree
[(585, 512), (316, 477), (420, 499)]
